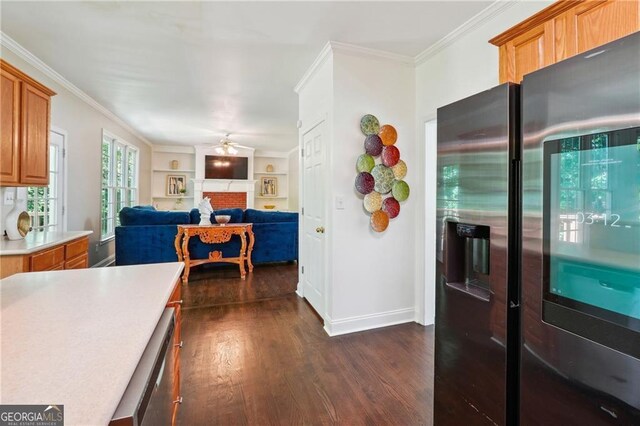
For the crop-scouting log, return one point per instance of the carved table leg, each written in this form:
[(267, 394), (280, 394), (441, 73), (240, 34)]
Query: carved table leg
[(243, 250), (177, 242), (250, 249), (187, 259)]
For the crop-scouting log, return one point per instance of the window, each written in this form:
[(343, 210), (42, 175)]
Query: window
[(45, 203), (119, 181)]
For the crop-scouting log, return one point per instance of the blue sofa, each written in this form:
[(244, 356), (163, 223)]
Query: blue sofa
[(146, 235)]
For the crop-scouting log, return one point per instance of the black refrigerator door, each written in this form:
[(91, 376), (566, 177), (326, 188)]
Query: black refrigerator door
[(580, 354), (477, 151)]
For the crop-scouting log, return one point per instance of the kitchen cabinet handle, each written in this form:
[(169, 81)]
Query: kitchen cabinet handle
[(179, 345), (176, 302), (178, 401)]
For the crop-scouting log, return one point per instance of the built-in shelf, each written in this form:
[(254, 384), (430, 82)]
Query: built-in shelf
[(279, 164), (174, 170), (172, 197)]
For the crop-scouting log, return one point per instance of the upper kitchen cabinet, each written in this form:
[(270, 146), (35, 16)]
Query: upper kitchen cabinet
[(25, 108), (562, 30)]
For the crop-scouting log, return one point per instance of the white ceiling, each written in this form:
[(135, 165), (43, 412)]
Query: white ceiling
[(189, 72)]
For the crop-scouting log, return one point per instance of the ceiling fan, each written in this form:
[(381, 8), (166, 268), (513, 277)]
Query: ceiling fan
[(227, 147)]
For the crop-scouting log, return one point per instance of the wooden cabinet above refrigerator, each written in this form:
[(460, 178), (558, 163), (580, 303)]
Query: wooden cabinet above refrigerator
[(562, 30), (25, 106)]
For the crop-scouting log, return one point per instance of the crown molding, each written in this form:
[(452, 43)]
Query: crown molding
[(12, 45), (494, 9), (353, 50), (313, 69)]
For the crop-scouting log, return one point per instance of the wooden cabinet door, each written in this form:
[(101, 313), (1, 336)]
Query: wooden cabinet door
[(9, 128), (34, 158), (594, 23), (48, 260), (80, 262), (528, 52)]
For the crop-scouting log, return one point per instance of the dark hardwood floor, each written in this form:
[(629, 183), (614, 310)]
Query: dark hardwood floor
[(209, 286), (271, 363)]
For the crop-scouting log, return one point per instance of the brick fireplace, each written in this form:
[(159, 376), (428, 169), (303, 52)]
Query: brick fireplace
[(227, 200), (225, 193)]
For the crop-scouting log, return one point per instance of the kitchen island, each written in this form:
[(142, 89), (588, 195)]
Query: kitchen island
[(75, 337)]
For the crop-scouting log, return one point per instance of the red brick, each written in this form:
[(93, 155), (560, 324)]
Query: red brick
[(227, 200)]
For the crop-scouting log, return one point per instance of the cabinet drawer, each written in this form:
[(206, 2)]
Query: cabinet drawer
[(48, 259), (76, 248), (79, 262)]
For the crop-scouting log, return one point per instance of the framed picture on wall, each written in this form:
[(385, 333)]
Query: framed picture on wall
[(176, 185), (269, 186)]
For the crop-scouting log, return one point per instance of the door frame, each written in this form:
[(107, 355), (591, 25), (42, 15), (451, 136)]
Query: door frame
[(426, 272), (65, 174), (322, 119)]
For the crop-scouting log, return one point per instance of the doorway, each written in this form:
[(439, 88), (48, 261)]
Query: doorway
[(313, 217)]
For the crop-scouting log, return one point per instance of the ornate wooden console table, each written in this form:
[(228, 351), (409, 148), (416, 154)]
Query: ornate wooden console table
[(210, 234)]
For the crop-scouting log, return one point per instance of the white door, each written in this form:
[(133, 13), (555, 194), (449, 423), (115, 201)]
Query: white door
[(313, 218)]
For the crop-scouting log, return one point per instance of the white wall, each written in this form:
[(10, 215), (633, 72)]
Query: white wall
[(369, 276), (372, 274), (467, 66), (84, 125)]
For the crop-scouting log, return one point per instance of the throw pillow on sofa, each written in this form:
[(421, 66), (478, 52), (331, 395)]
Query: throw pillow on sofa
[(258, 216)]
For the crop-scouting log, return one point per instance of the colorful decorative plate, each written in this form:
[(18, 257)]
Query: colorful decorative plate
[(369, 125), (372, 201), (364, 183), (388, 134), (390, 155), (391, 206), (379, 221), (400, 190), (400, 170), (383, 178), (365, 163), (373, 145)]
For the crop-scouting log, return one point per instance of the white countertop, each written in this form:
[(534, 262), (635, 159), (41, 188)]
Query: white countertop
[(35, 241), (75, 337)]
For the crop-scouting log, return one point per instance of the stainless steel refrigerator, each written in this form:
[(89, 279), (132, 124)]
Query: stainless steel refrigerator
[(538, 247)]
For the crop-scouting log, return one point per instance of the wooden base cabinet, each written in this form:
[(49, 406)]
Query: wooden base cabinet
[(175, 302), (562, 30), (25, 106), (73, 254)]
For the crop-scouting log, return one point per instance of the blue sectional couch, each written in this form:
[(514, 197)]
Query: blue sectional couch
[(147, 235)]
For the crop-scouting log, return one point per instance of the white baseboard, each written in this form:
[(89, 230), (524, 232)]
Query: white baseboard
[(368, 322), (105, 262), (299, 290), (425, 321)]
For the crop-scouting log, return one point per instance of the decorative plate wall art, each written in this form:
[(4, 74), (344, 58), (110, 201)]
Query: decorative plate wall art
[(381, 173)]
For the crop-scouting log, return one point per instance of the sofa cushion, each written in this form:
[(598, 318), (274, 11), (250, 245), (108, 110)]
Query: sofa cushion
[(258, 216), (135, 216), (145, 207)]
